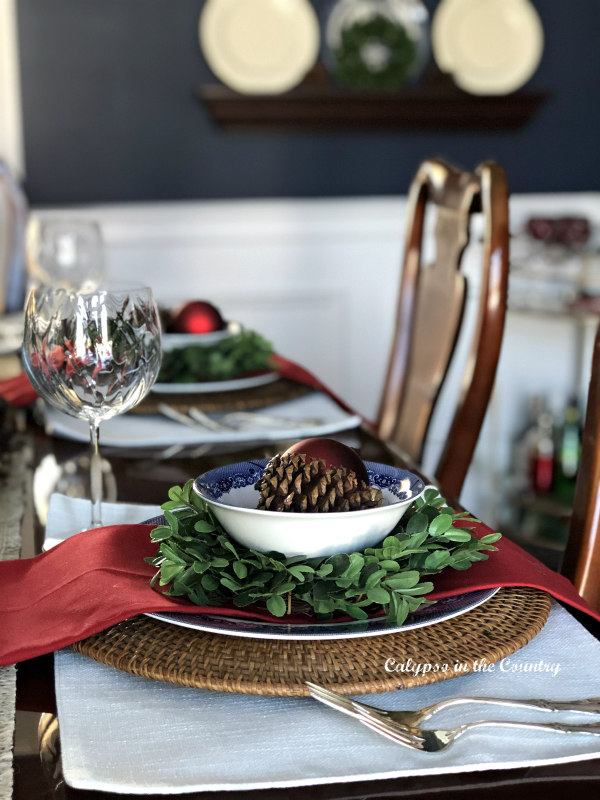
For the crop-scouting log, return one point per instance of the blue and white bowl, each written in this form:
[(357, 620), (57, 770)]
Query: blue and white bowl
[(229, 492)]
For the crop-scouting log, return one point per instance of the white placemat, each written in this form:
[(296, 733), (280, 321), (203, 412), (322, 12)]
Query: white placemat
[(123, 733), (151, 430), (69, 515)]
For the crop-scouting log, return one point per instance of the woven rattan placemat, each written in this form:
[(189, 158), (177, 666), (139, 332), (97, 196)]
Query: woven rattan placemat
[(256, 397), (154, 649)]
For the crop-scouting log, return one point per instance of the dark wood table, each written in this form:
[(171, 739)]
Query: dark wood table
[(144, 477)]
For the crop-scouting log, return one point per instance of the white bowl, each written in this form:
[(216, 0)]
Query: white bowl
[(229, 492), (176, 341)]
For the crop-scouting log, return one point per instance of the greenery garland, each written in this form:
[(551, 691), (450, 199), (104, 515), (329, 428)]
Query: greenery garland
[(197, 558), (228, 358), (352, 61)]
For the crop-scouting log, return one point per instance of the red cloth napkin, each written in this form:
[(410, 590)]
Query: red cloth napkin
[(294, 372), (18, 391), (97, 578)]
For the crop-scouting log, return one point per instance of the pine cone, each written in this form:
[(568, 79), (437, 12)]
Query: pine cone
[(289, 483)]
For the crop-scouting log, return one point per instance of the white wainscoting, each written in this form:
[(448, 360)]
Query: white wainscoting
[(319, 278)]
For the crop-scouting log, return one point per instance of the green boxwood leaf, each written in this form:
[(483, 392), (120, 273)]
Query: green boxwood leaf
[(489, 538), (169, 572), (229, 583), (378, 595), (240, 569), (277, 605), (160, 533), (457, 536), (404, 580), (392, 566), (437, 559), (431, 495), (298, 573), (204, 526), (440, 524), (209, 583), (375, 578), (418, 522)]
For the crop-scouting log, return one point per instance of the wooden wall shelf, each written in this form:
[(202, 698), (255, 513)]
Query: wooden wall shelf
[(328, 108)]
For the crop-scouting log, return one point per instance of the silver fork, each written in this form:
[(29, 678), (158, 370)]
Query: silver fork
[(590, 705), (177, 416), (434, 740), (430, 740), (233, 421)]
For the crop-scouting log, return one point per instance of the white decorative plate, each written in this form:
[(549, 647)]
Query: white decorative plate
[(489, 46), (259, 46)]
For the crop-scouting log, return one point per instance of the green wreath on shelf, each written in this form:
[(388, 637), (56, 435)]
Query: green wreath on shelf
[(377, 53)]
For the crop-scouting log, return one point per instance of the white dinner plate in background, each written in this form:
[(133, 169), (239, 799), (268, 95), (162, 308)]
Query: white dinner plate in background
[(235, 384)]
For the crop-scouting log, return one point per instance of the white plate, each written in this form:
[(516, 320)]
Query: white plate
[(259, 46), (316, 414), (247, 382), (490, 47), (234, 626)]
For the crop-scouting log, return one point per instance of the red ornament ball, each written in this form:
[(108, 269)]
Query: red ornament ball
[(198, 316), (333, 453)]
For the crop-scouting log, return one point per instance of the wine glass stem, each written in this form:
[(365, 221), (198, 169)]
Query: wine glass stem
[(95, 476)]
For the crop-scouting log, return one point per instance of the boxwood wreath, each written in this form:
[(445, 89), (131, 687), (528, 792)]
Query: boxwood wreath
[(376, 53), (197, 558), (245, 352)]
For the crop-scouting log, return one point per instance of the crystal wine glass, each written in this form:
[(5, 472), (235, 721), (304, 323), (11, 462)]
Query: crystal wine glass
[(67, 253), (92, 356)]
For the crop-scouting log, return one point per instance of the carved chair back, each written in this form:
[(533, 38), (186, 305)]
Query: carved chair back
[(430, 312)]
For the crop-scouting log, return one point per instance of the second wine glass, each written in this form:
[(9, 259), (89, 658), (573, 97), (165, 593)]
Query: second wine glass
[(92, 356), (65, 253)]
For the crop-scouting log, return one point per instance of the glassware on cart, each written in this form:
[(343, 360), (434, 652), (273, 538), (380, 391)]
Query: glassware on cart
[(92, 356), (65, 253)]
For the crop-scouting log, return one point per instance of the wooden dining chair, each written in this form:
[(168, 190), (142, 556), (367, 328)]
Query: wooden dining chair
[(581, 561), (431, 310)]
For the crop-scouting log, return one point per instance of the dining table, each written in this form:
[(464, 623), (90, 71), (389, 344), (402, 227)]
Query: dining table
[(109, 731)]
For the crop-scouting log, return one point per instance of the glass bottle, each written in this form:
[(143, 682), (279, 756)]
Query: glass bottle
[(542, 455), (568, 452)]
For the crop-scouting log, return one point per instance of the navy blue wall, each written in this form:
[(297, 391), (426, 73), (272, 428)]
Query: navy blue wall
[(109, 115)]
